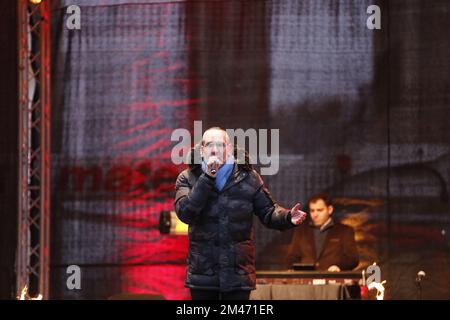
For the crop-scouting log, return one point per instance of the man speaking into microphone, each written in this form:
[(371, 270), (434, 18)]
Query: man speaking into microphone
[(217, 199)]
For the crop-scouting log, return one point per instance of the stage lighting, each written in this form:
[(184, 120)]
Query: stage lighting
[(170, 224), (35, 1)]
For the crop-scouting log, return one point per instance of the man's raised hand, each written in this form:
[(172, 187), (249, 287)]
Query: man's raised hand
[(297, 215)]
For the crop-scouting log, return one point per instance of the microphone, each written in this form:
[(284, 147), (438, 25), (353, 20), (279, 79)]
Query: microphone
[(420, 275), (215, 159)]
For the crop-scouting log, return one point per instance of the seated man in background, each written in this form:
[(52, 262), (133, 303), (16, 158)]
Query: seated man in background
[(326, 244)]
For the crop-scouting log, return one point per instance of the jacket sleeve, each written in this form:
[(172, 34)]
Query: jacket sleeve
[(350, 256), (190, 200), (269, 212)]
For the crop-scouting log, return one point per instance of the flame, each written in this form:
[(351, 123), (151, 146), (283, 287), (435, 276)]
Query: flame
[(380, 288), (24, 295)]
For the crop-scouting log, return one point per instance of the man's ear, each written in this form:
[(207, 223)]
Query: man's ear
[(202, 152), (330, 209)]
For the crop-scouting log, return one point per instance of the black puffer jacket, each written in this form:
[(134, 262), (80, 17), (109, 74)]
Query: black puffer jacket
[(221, 246)]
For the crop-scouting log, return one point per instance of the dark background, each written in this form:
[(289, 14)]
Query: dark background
[(8, 147), (362, 115)]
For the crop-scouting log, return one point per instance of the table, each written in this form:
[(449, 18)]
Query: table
[(307, 285)]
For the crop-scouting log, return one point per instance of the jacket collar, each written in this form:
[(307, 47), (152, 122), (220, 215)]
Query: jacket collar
[(237, 176), (327, 225)]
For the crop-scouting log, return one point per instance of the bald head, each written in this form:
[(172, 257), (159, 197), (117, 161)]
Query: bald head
[(215, 133)]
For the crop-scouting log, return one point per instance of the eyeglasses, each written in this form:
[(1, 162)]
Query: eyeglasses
[(218, 145)]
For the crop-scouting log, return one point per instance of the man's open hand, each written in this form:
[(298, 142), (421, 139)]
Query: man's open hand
[(297, 215), (334, 268)]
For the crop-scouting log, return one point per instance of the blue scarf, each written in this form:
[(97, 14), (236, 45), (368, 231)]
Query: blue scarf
[(223, 173)]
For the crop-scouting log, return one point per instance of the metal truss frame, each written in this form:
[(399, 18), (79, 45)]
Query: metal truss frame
[(33, 248)]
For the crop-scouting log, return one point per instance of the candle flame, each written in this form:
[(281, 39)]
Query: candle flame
[(25, 296), (379, 286)]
